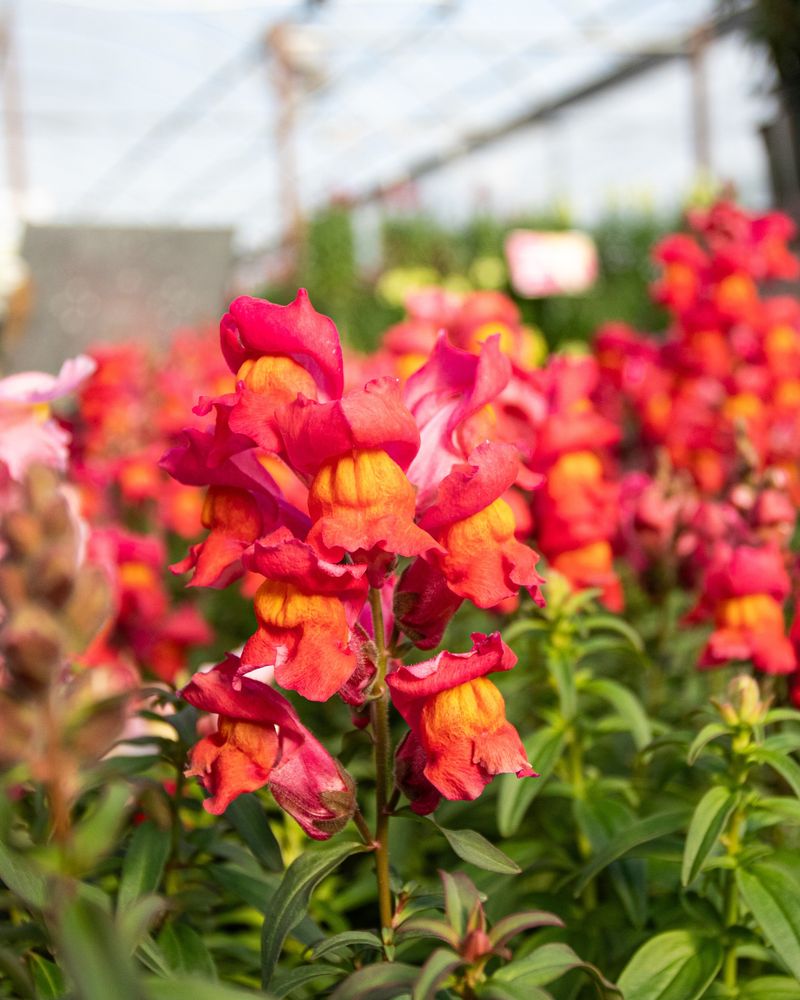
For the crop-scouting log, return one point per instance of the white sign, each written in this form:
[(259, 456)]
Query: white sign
[(558, 263)]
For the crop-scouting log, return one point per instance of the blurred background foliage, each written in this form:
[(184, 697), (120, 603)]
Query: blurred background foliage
[(471, 256)]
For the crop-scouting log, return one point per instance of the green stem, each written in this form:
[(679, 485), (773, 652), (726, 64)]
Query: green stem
[(578, 782), (731, 904), (379, 714)]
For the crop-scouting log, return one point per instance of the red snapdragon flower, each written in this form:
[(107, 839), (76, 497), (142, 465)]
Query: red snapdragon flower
[(744, 589), (260, 742), (458, 718), (355, 451), (306, 610), (481, 558)]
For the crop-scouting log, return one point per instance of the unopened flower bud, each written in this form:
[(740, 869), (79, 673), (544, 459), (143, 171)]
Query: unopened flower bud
[(744, 705)]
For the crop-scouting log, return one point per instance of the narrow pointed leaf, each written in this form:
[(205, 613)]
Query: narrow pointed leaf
[(136, 920), (708, 822), (628, 707), (427, 927), (641, 832), (787, 768), (288, 905), (186, 951), (511, 991), (676, 965), (473, 847), (713, 731), (782, 806), (770, 988), (508, 927), (99, 831), (593, 623), (93, 956), (143, 864), (47, 977), (544, 751), (434, 973), (347, 939), (23, 878), (378, 982), (548, 963), (773, 896), (288, 982), (247, 816), (195, 988)]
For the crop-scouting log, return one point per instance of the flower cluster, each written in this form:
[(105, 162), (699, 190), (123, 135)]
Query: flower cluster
[(715, 409), (129, 410), (368, 516), (547, 414)]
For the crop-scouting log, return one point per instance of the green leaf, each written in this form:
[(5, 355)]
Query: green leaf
[(434, 972), (378, 982), (787, 809), (787, 768), (782, 715), (508, 927), (93, 955), (247, 816), (185, 950), (144, 863), (194, 988), (428, 927), (47, 977), (473, 847), (523, 625), (23, 878), (283, 985), (676, 965), (135, 922), (707, 735), (289, 904), (492, 990), (544, 750), (14, 975), (347, 939), (99, 831), (609, 623), (783, 743), (151, 957), (773, 895), (770, 988), (641, 832), (708, 822), (628, 707), (546, 964)]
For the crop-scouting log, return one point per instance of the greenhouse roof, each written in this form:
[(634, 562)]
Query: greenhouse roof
[(165, 111)]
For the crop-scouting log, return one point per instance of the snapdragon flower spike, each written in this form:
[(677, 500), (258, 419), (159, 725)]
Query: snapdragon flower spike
[(259, 742), (355, 451), (453, 390), (458, 717), (483, 560), (306, 609)]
